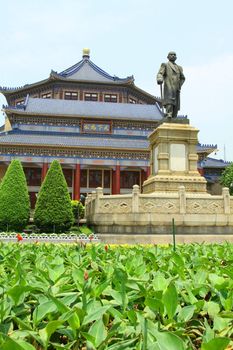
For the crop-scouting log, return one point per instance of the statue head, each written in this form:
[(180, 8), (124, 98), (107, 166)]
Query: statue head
[(171, 56)]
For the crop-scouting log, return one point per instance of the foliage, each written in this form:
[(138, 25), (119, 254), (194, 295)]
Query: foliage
[(90, 297), (14, 199), (81, 229), (53, 211), (78, 210), (227, 178)]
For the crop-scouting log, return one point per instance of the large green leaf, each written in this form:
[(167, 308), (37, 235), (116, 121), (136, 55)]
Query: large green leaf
[(221, 323), (160, 282), (13, 344), (98, 331), (18, 293), (94, 315), (56, 272), (186, 313), (212, 308), (170, 300), (124, 344), (216, 344), (45, 333), (42, 310), (169, 341)]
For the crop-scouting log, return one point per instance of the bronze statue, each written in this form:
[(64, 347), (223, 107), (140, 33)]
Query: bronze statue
[(173, 78)]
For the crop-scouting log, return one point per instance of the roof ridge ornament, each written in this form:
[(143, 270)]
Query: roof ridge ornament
[(86, 53)]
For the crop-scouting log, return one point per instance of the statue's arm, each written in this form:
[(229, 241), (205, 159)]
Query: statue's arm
[(182, 77), (161, 73)]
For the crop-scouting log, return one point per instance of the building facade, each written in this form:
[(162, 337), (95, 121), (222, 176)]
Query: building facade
[(95, 124)]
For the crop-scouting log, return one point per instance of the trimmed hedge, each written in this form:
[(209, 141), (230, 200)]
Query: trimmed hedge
[(14, 199), (53, 211)]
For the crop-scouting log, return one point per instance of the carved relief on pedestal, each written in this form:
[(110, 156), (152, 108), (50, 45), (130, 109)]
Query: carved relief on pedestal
[(204, 206), (159, 205), (116, 206)]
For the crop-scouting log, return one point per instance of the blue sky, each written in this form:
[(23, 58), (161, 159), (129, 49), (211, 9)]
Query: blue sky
[(129, 37)]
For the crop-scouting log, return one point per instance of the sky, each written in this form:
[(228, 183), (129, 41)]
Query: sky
[(129, 37)]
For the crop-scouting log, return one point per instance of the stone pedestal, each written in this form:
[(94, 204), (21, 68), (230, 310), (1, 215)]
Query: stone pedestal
[(174, 160)]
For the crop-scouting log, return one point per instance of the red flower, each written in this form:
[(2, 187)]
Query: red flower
[(106, 247), (91, 237), (19, 237), (86, 276)]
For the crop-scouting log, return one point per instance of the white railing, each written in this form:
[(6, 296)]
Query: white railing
[(44, 237)]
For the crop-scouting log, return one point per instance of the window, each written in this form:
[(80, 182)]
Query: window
[(107, 179), (83, 178), (110, 98), (132, 100), (48, 95), (130, 178), (68, 174), (33, 176), (95, 178), (21, 102), (71, 95), (90, 96)]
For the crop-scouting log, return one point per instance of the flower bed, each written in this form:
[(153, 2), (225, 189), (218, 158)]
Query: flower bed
[(102, 297)]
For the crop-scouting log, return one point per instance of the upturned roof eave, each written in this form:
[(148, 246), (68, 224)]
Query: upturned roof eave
[(55, 77), (157, 99), (8, 91), (23, 112)]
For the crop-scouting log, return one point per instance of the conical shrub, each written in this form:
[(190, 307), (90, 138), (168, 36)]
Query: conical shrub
[(53, 211), (14, 199)]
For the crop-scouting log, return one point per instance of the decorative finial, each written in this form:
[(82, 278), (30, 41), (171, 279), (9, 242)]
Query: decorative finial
[(86, 53)]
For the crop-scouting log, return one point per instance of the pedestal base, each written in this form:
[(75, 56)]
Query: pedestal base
[(170, 183)]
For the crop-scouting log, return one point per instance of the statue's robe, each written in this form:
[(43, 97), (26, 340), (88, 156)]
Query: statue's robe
[(172, 76)]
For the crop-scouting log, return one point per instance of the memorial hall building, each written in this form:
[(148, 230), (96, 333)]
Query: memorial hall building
[(96, 125)]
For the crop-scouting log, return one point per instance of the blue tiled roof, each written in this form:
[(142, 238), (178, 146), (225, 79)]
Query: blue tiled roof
[(202, 147), (100, 110), (214, 163), (72, 141), (90, 69)]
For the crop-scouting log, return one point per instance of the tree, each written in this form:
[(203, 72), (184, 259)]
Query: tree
[(14, 199), (53, 211), (227, 178)]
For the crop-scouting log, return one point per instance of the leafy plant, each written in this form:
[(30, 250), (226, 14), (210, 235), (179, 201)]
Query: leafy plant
[(14, 199), (227, 178), (53, 211), (138, 298), (78, 210)]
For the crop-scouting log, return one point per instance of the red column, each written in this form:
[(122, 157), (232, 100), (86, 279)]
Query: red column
[(76, 188), (143, 176), (118, 179), (201, 171), (45, 167), (113, 182), (147, 171)]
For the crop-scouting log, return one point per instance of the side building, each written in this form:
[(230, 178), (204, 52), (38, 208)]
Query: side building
[(95, 124)]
